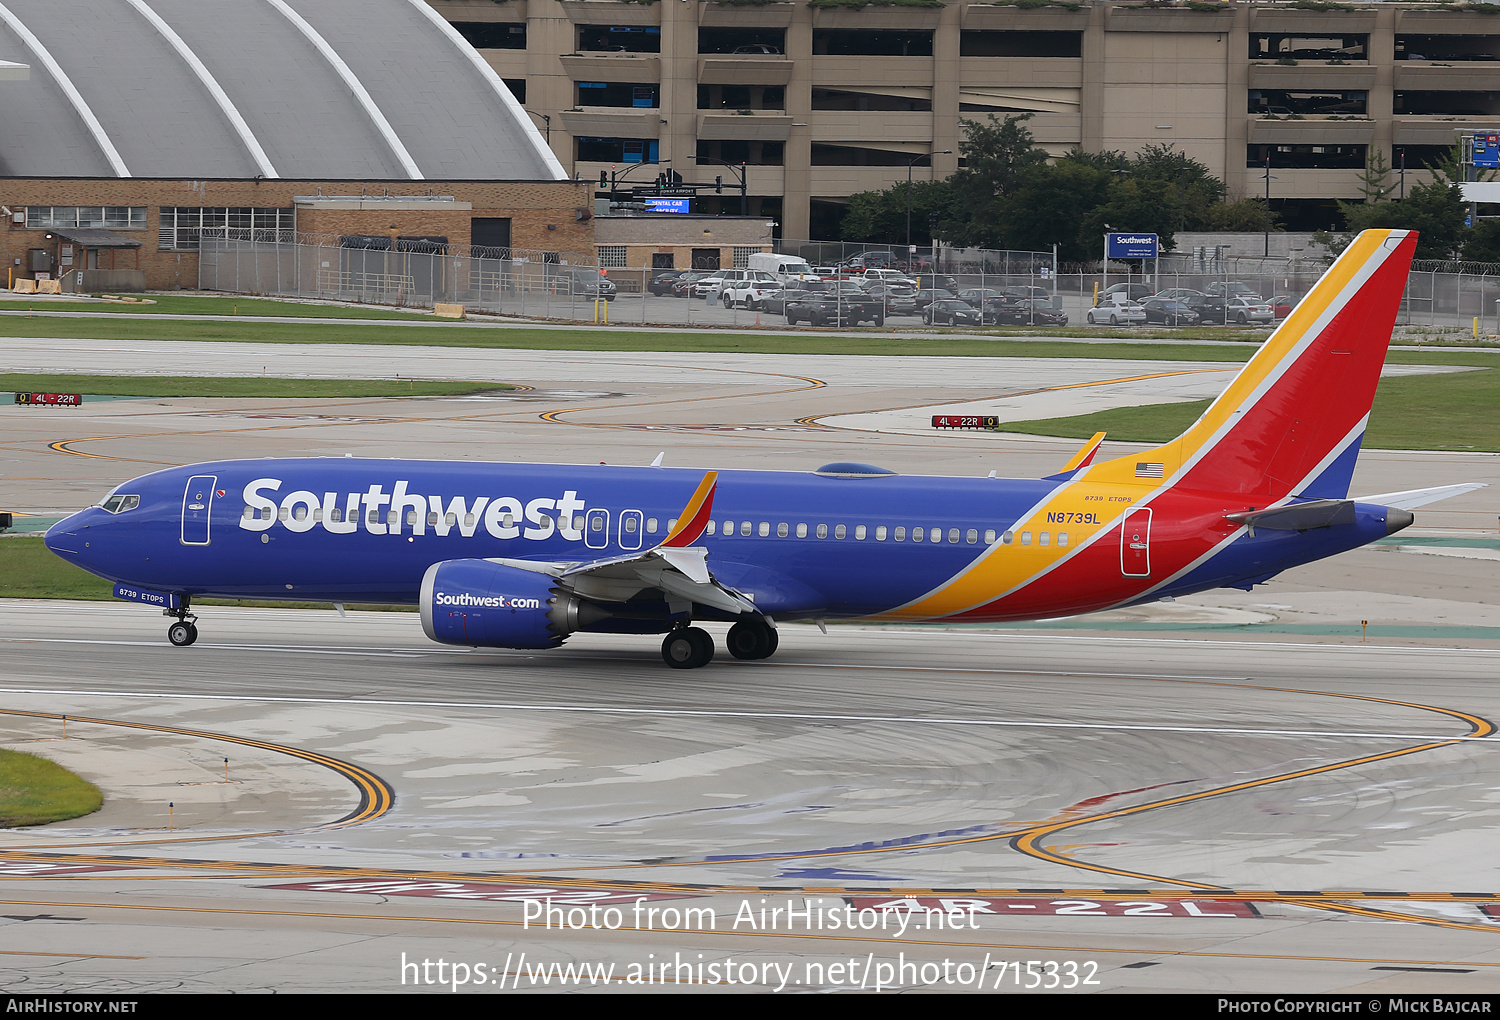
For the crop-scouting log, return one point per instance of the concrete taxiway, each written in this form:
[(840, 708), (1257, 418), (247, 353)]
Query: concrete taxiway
[(1235, 792)]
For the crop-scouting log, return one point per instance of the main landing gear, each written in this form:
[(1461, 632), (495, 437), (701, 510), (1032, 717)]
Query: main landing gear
[(687, 648), (185, 631), (754, 638), (691, 647)]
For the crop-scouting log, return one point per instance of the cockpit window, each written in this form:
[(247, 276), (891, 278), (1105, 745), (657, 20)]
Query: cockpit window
[(120, 504)]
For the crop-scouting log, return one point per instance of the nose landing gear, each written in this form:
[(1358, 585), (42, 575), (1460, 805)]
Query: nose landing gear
[(185, 631)]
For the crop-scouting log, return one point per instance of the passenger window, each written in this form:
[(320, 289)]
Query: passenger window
[(782, 531), (822, 531), (265, 514), (728, 528), (650, 525), (712, 528), (802, 531), (765, 529), (630, 525), (509, 521), (1045, 538), (1062, 538), (880, 533), (317, 513), (901, 534), (859, 533), (972, 537), (411, 516), (917, 534), (1025, 538), (468, 520), (839, 531), (745, 528), (937, 535), (393, 517), (1008, 537), (989, 536), (432, 516), (450, 520), (248, 511), (952, 536)]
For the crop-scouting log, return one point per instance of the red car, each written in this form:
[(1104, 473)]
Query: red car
[(1282, 305)]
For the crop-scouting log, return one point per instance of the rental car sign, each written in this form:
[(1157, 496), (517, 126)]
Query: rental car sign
[(1130, 246)]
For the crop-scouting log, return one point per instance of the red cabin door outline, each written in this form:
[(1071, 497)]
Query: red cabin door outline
[(1135, 543)]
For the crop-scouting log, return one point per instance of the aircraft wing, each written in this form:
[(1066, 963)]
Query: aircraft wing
[(675, 567), (1413, 498)]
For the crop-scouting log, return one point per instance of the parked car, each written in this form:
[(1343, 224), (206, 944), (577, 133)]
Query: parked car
[(951, 312), (866, 260), (750, 289), (583, 282), (662, 281), (1210, 309), (1031, 312), (1246, 310), (683, 286), (1134, 291), (704, 284), (937, 281), (1282, 305), (977, 296), (898, 298), (833, 306), (1117, 311), (889, 276), (1183, 294), (1168, 312), (928, 295), (1231, 288)]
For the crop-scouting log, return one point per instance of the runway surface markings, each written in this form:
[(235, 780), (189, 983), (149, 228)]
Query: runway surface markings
[(376, 796)]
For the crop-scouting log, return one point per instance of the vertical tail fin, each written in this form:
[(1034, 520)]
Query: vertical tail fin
[(1291, 422)]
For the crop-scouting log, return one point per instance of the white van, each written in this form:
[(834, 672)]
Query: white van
[(783, 267)]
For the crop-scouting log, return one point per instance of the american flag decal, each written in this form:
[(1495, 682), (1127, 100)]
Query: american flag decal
[(1147, 469)]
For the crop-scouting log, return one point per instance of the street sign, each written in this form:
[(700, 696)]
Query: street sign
[(655, 192), (1487, 151), (1130, 246)]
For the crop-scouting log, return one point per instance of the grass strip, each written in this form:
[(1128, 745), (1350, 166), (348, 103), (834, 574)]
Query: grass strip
[(1450, 411), (29, 570), (256, 386), (35, 791)]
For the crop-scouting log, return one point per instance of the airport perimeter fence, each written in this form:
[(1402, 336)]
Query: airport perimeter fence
[(563, 285)]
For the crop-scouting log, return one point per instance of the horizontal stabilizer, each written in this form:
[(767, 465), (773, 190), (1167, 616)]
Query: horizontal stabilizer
[(1082, 459), (1319, 513), (1413, 498)]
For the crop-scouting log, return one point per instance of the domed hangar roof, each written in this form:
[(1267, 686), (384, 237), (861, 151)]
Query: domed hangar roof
[(302, 89)]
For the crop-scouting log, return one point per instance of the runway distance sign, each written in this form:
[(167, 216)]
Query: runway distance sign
[(51, 399), (970, 905), (965, 421)]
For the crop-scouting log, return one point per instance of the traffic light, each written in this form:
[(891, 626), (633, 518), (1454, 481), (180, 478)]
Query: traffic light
[(603, 178), (719, 183)]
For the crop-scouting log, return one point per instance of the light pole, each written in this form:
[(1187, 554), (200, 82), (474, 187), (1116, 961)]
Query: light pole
[(912, 163), (546, 121), (744, 174), (613, 179), (1269, 178)]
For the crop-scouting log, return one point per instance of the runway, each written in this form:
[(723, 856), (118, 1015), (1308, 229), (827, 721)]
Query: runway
[(1229, 793)]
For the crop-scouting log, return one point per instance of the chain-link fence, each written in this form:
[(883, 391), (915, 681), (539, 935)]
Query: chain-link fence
[(571, 286)]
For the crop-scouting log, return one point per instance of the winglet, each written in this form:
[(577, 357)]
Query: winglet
[(1082, 459), (694, 519)]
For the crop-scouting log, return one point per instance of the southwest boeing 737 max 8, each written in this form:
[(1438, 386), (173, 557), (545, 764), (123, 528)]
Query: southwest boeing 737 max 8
[(521, 556)]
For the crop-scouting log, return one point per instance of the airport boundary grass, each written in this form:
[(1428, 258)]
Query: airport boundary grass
[(29, 570), (238, 386), (35, 791), (614, 339), (1449, 411)]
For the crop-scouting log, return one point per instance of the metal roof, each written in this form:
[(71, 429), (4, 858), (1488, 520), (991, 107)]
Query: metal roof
[(303, 89), (95, 237)]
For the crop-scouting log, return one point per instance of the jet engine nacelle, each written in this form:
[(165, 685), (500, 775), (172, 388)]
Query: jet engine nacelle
[(477, 602)]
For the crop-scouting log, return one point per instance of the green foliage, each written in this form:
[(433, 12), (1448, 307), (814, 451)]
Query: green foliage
[(1481, 243), (1031, 5), (1375, 180), (1245, 216), (998, 154), (881, 215), (1320, 5), (1436, 210)]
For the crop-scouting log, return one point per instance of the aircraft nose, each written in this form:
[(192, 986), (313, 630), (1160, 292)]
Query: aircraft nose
[(64, 537), (1396, 519)]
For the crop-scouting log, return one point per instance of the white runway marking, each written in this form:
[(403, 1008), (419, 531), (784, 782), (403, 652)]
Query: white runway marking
[(795, 716)]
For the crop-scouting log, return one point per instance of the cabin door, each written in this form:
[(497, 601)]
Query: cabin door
[(1135, 543), (197, 502)]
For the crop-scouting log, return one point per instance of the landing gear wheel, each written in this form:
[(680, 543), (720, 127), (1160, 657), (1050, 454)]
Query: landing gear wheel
[(687, 648), (752, 639), (182, 633)]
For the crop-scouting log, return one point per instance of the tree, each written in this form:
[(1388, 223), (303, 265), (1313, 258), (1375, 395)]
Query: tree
[(1248, 215), (1436, 210), (881, 215), (1375, 180), (1049, 208), (997, 156), (1481, 243)]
